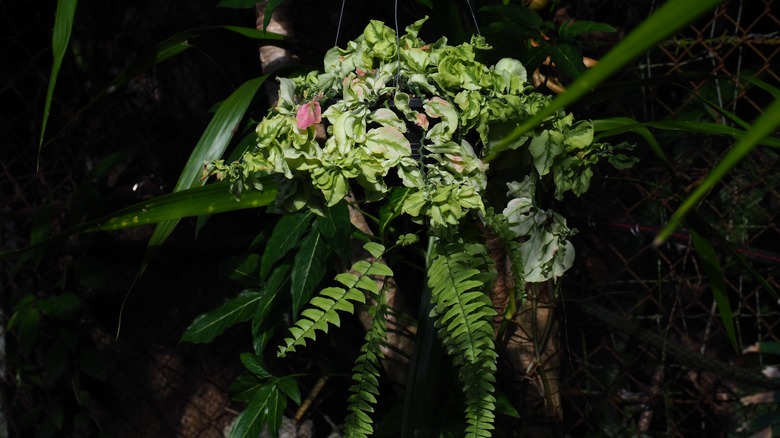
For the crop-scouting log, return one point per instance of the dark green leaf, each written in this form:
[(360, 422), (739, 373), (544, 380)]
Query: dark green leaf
[(237, 4), (568, 58), (266, 408), (270, 5), (516, 14), (245, 269), (93, 363), (670, 17), (308, 269), (289, 386), (769, 347), (714, 273), (29, 322), (286, 235), (279, 277), (63, 307), (573, 29), (244, 387), (56, 359), (63, 25), (254, 364), (392, 209), (209, 325), (336, 228)]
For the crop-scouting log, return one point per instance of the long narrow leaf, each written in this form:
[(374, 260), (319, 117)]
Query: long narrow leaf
[(206, 327), (670, 17), (63, 25), (764, 126), (714, 273), (209, 199), (210, 147), (694, 127)]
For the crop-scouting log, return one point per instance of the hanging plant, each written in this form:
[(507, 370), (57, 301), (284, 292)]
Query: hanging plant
[(408, 125)]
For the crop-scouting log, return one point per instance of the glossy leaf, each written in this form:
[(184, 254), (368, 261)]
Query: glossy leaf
[(208, 326), (670, 17), (308, 269), (209, 199), (336, 229), (254, 364), (286, 235), (265, 409), (764, 126), (63, 25)]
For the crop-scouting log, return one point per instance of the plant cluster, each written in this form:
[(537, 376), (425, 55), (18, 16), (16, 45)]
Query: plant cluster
[(409, 125)]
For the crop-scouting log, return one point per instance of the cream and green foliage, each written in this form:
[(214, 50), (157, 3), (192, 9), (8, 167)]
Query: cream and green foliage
[(376, 94)]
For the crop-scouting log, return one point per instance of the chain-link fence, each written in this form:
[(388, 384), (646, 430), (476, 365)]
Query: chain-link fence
[(630, 312)]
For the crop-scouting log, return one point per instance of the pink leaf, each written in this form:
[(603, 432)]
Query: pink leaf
[(309, 114)]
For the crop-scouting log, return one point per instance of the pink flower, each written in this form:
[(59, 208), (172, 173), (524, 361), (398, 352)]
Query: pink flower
[(309, 114)]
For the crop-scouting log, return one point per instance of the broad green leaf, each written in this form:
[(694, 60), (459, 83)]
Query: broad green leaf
[(237, 4), (266, 408), (286, 235), (279, 277), (544, 148), (244, 268), (336, 228), (211, 146), (712, 269), (289, 386), (270, 5), (245, 387), (670, 17), (573, 29), (254, 364), (393, 208), (764, 126), (308, 269), (29, 323), (63, 25), (209, 325), (568, 58)]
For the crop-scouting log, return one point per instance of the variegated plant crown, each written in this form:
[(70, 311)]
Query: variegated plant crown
[(467, 108)]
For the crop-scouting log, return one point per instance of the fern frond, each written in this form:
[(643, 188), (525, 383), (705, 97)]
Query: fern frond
[(464, 321), (323, 308), (363, 392)]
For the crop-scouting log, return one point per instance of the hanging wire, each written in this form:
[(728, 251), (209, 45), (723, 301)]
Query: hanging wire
[(473, 17), (338, 29), (397, 46)]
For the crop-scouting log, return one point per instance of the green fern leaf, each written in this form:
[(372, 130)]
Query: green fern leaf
[(365, 376), (464, 320), (323, 309)]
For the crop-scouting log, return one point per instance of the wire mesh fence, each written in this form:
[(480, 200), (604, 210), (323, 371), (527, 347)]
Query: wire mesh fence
[(625, 366)]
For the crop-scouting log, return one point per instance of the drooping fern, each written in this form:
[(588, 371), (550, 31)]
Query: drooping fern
[(464, 313), (323, 308), (366, 376)]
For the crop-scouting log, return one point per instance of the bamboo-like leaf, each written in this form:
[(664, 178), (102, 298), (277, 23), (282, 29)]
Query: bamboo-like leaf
[(63, 25), (308, 269), (286, 235), (714, 273), (206, 327), (209, 199), (764, 126), (670, 17), (211, 146), (212, 198), (684, 126)]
